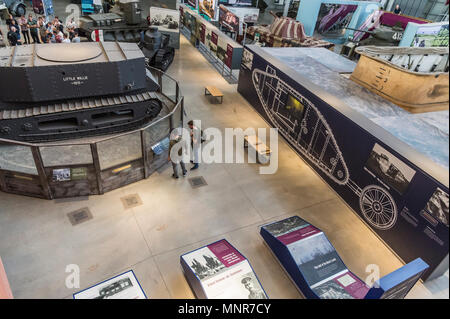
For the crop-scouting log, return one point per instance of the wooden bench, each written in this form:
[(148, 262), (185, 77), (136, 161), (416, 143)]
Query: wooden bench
[(262, 150), (211, 90)]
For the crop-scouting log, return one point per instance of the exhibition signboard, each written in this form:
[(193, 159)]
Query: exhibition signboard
[(403, 197), (123, 286), (219, 271), (219, 44), (316, 268)]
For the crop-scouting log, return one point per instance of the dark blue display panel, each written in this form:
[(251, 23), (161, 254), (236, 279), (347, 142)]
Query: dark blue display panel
[(319, 273), (405, 206)]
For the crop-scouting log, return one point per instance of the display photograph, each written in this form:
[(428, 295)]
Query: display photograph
[(332, 290), (218, 152), (228, 19), (286, 226), (438, 206), (124, 286), (61, 175), (247, 59), (204, 263), (164, 19), (431, 36), (390, 169), (333, 19), (208, 8)]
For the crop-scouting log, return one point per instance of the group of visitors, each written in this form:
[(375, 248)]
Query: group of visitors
[(29, 30), (176, 138)]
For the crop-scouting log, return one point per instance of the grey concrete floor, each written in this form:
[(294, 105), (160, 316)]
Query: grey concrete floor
[(37, 241)]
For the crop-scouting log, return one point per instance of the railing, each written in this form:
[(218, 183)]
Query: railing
[(39, 162)]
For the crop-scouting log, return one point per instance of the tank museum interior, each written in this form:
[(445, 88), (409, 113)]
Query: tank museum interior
[(224, 149)]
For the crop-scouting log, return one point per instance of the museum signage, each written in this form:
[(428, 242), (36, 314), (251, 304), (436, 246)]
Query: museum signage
[(219, 271), (318, 271), (219, 44)]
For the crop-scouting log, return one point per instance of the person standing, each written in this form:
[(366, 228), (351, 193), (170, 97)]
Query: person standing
[(397, 9), (12, 37), (176, 139), (34, 29), (196, 140), (24, 28)]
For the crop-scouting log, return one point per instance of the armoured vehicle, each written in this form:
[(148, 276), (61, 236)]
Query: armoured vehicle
[(15, 7), (61, 91), (382, 36), (130, 27), (123, 27), (156, 49)]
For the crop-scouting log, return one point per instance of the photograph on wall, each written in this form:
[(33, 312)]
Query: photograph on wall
[(124, 286), (437, 206), (286, 226), (316, 258), (431, 36), (208, 8), (333, 19), (246, 14), (61, 175), (204, 263), (229, 20), (247, 59), (390, 169), (237, 282), (165, 19)]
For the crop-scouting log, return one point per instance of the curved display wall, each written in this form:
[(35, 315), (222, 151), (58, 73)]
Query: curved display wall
[(395, 177)]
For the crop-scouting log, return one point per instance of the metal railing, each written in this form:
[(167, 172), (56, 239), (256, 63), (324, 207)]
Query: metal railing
[(169, 88)]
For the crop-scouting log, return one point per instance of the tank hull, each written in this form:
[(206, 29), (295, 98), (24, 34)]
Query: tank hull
[(414, 91)]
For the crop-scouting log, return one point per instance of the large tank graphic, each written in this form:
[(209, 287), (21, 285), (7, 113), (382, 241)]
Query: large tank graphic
[(302, 124), (61, 91)]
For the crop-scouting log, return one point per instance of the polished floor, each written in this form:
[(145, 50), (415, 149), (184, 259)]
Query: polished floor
[(37, 240)]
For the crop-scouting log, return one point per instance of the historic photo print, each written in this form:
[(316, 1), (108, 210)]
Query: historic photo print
[(286, 226), (204, 263), (253, 287), (437, 206), (390, 169)]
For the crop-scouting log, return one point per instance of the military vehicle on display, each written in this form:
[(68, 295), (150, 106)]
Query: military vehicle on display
[(156, 49), (126, 26), (382, 36), (15, 7), (63, 91), (129, 27)]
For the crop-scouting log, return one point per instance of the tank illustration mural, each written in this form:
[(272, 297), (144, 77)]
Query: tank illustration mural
[(313, 137)]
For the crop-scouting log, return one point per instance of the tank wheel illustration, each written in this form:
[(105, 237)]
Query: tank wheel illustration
[(378, 207)]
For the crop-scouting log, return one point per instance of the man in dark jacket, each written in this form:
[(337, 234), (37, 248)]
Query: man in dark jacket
[(12, 37)]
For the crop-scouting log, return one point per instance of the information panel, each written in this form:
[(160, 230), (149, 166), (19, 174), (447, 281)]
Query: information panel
[(123, 286), (219, 271), (317, 270)]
